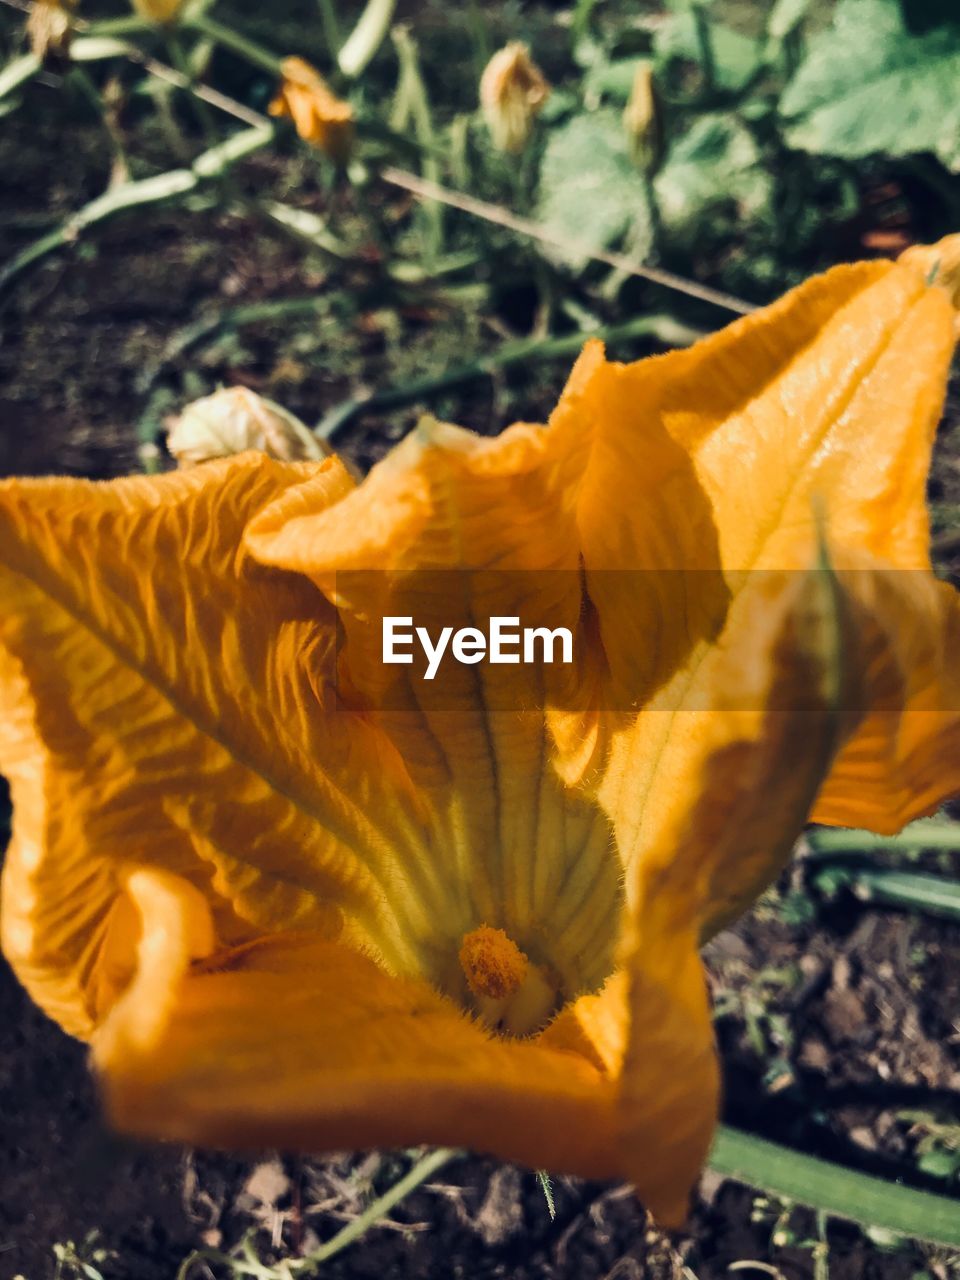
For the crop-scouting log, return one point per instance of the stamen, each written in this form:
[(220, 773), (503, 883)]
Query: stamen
[(492, 963)]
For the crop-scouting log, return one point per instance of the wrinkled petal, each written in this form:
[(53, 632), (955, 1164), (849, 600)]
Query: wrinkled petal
[(708, 796), (451, 530), (644, 524), (815, 414), (904, 758), (306, 1044), (149, 671), (247, 854), (832, 396)]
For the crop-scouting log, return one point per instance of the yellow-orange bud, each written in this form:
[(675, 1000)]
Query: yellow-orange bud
[(48, 28), (641, 118), (513, 91), (158, 10), (319, 116)]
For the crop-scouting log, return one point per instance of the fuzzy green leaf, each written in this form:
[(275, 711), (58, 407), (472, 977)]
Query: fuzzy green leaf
[(716, 163), (868, 85), (591, 194), (736, 58)]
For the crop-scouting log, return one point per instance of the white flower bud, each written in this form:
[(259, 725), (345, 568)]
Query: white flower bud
[(234, 420)]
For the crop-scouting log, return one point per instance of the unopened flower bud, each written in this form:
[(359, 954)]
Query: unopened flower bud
[(512, 94), (234, 420), (162, 11), (641, 118), (319, 116), (49, 30)]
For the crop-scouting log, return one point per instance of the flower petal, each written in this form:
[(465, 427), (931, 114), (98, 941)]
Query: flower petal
[(670, 1086), (710, 786), (596, 1025), (904, 758), (832, 393), (708, 791), (818, 410), (449, 531), (147, 673), (301, 1043), (644, 524)]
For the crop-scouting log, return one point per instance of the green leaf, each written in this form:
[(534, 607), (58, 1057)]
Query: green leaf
[(715, 163), (591, 195), (736, 58), (868, 85)]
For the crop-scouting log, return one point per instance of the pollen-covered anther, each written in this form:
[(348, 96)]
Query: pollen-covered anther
[(492, 963)]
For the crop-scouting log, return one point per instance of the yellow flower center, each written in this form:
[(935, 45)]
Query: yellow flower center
[(492, 963), (510, 994)]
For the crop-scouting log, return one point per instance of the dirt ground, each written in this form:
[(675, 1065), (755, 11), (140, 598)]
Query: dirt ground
[(832, 1031), (837, 1022)]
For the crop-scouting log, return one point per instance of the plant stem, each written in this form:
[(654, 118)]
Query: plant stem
[(366, 37), (120, 171), (126, 26), (181, 63), (512, 353), (479, 39), (701, 26), (243, 47), (928, 833), (913, 890), (164, 186), (18, 72), (835, 1190), (546, 1186), (421, 1171), (414, 94), (231, 318), (582, 14), (331, 26)]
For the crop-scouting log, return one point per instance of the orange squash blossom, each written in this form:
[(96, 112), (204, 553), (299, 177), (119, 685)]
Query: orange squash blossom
[(292, 897), (319, 116)]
